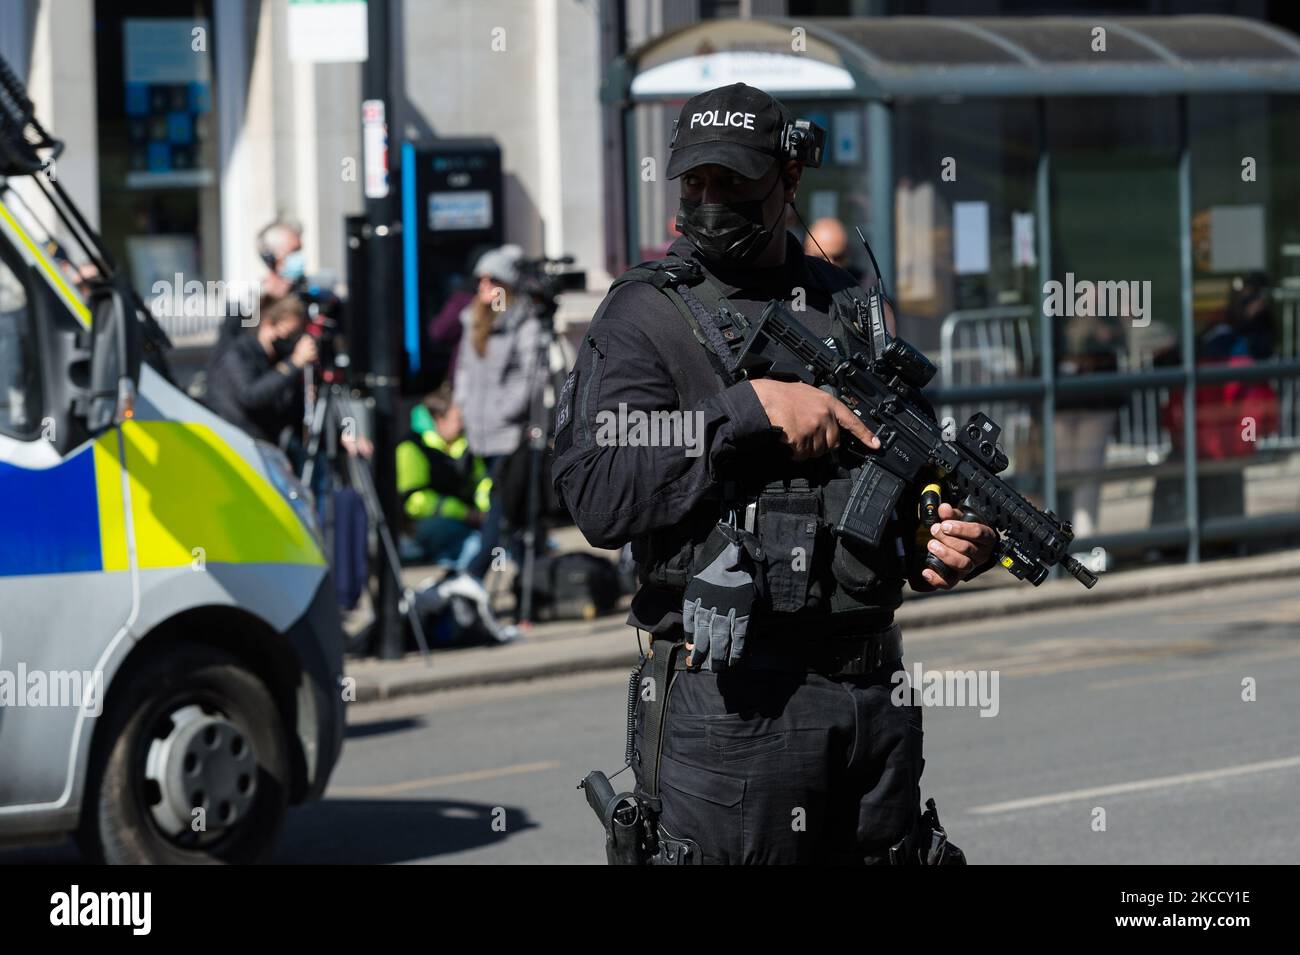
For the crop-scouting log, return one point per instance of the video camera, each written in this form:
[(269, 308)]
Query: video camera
[(543, 280), (324, 319)]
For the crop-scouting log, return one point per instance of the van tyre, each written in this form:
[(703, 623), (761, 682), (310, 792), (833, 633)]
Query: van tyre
[(191, 765)]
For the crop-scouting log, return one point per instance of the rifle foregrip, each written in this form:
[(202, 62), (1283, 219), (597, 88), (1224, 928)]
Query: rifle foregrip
[(871, 501)]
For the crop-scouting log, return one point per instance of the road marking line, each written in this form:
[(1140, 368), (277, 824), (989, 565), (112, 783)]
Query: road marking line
[(429, 782), (1141, 785)]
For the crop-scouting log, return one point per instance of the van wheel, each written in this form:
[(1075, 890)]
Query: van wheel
[(192, 765)]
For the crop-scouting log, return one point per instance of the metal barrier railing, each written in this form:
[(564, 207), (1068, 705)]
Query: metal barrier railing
[(987, 346), (1287, 304), (989, 360), (1140, 425), (991, 346)]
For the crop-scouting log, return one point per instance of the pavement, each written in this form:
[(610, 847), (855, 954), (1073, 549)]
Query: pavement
[(570, 647)]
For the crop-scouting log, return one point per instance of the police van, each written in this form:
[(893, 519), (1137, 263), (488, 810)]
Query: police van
[(170, 644)]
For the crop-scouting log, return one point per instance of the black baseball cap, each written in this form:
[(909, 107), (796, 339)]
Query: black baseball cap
[(736, 126)]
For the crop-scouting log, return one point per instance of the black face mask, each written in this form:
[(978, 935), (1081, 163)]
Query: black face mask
[(731, 232), (283, 347)]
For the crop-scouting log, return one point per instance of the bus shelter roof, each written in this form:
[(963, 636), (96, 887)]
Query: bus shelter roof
[(883, 58)]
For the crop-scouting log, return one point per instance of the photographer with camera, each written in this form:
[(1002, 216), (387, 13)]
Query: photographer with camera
[(494, 374), (256, 381)]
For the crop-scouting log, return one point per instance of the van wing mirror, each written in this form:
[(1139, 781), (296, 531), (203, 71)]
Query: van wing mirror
[(114, 356)]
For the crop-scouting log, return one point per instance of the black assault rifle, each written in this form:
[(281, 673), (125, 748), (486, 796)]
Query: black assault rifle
[(881, 388)]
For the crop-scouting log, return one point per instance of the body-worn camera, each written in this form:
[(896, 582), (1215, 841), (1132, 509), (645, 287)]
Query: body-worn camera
[(805, 141)]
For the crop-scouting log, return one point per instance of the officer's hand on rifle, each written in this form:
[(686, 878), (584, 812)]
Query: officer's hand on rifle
[(960, 545), (810, 418)]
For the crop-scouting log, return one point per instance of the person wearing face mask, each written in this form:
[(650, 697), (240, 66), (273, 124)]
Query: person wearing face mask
[(279, 246), (256, 382), (773, 642)]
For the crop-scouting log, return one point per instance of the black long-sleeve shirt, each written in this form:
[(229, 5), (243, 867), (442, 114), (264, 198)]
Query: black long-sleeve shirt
[(248, 389), (617, 491)]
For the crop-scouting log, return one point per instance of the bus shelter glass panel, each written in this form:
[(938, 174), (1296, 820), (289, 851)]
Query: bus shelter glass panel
[(966, 263), (1246, 259), (1245, 466), (1114, 298)]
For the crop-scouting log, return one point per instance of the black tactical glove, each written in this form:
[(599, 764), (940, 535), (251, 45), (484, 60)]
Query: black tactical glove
[(719, 600)]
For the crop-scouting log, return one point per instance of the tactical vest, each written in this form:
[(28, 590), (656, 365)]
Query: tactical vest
[(809, 571)]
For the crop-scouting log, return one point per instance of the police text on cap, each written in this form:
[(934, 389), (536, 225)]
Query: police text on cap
[(715, 117)]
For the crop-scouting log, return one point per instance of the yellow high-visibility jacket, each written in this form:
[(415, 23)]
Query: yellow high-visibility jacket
[(437, 478)]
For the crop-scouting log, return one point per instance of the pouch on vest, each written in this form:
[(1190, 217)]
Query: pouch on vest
[(787, 530), (857, 568), (720, 599)]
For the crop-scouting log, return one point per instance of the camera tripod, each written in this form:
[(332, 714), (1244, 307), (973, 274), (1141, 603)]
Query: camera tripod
[(333, 407), (537, 435)]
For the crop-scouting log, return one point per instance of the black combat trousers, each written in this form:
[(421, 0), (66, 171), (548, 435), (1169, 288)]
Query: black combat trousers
[(770, 767)]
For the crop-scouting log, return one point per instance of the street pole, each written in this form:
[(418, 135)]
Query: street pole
[(381, 310)]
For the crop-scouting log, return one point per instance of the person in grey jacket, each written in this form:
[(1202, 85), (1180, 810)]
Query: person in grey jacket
[(494, 375)]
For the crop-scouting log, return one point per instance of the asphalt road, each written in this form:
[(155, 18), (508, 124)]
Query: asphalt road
[(1134, 708)]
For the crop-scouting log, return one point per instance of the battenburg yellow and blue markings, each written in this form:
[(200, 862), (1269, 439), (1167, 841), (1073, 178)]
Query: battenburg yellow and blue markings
[(51, 518), (188, 490)]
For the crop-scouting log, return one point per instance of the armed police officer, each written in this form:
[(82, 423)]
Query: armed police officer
[(764, 727)]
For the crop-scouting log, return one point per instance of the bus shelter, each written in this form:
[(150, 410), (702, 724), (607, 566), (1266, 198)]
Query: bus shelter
[(1091, 225)]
